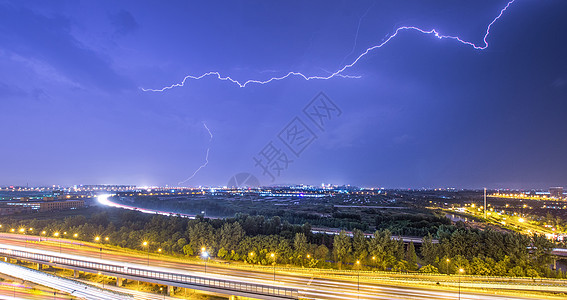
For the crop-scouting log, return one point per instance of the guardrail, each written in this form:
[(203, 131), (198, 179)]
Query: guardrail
[(173, 279)]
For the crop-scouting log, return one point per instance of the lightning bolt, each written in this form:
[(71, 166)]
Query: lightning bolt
[(206, 158), (357, 30), (339, 72)]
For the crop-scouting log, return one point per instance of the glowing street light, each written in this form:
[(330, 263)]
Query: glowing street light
[(57, 235), (448, 260), (146, 244), (205, 256)]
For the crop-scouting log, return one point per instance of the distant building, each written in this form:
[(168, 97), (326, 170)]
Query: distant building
[(6, 210), (51, 205), (556, 192), (61, 205)]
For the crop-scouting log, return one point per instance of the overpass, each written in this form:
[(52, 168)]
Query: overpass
[(169, 277)]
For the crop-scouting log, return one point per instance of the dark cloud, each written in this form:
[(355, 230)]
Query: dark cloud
[(559, 82), (49, 40), (124, 22), (7, 91)]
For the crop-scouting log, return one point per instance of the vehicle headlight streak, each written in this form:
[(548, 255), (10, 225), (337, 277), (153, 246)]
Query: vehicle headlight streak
[(339, 72)]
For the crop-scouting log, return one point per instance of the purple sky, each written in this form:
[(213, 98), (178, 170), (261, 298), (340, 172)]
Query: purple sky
[(425, 112)]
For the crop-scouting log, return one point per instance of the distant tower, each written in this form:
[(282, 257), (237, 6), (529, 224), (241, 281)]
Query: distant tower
[(556, 192)]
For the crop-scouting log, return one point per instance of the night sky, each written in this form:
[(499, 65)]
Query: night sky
[(425, 112)]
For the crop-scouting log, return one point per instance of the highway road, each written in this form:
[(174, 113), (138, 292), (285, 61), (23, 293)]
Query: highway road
[(13, 290), (310, 287), (71, 287)]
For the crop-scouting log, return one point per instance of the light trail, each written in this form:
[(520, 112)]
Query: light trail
[(71, 287), (339, 72), (103, 199), (206, 158)]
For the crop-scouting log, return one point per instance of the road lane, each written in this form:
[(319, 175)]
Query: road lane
[(319, 288)]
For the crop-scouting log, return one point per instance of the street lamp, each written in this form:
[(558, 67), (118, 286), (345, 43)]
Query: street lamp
[(205, 256), (460, 272), (57, 235), (146, 244), (273, 256), (23, 231), (358, 277), (448, 260)]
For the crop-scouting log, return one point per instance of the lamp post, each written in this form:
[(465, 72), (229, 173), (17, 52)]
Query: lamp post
[(460, 272), (57, 235), (205, 256), (274, 263), (358, 278), (146, 244), (448, 260), (23, 231)]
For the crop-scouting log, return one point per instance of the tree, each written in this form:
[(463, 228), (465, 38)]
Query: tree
[(341, 247), (222, 253), (230, 235), (321, 253), (540, 256), (382, 249), (201, 235), (428, 249), (360, 245), (300, 246), (411, 257), (428, 269), (479, 266), (188, 250)]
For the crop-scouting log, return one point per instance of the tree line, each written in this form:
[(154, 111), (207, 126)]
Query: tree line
[(264, 241)]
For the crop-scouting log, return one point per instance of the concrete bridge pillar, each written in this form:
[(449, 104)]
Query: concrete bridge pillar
[(170, 290), (232, 297), (119, 281), (555, 264), (75, 274)]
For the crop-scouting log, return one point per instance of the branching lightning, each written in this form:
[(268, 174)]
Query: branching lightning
[(357, 30), (339, 72), (206, 158)]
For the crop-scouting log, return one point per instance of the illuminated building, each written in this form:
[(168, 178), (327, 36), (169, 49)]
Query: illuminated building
[(556, 192)]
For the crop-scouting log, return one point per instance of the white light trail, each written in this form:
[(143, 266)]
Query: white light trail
[(103, 199), (339, 72)]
